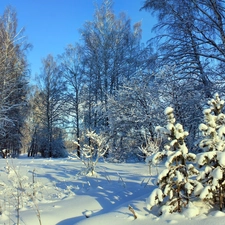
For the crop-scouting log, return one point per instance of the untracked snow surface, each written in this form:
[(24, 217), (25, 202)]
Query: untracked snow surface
[(53, 192)]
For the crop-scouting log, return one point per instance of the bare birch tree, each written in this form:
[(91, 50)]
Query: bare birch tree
[(51, 101), (72, 70), (112, 53)]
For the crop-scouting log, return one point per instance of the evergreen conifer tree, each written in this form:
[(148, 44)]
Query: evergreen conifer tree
[(212, 160), (174, 182)]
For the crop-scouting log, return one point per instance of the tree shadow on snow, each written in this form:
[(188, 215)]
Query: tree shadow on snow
[(112, 194)]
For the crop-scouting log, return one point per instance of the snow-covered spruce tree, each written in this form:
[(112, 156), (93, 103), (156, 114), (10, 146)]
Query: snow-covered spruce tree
[(212, 160), (174, 183)]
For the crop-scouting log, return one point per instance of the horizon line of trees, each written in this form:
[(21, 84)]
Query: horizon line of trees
[(112, 83)]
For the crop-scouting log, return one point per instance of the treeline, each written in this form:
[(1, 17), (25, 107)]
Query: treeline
[(13, 81), (80, 89), (113, 84)]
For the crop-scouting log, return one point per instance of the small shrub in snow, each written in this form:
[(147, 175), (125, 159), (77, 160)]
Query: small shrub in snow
[(20, 191), (212, 160), (91, 152), (174, 183), (151, 147)]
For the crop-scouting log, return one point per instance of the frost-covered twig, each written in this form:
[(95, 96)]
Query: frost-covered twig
[(132, 210), (147, 183), (107, 177), (121, 179)]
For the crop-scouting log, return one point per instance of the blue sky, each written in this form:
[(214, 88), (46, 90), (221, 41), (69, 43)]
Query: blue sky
[(53, 24)]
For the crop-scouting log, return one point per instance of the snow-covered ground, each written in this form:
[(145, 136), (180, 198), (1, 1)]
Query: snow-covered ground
[(52, 189)]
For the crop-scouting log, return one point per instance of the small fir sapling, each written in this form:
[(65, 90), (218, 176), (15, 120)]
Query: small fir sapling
[(174, 183), (212, 160)]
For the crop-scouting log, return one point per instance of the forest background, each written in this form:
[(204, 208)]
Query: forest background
[(110, 82)]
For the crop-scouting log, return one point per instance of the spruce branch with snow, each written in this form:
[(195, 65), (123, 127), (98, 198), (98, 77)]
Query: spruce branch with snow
[(175, 184), (211, 161)]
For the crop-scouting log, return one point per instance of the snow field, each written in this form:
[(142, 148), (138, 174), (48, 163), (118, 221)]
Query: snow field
[(65, 198)]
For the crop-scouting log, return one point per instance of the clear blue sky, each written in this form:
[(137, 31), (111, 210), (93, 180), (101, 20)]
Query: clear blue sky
[(53, 24)]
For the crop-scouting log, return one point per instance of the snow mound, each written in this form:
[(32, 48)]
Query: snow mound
[(191, 211), (217, 214)]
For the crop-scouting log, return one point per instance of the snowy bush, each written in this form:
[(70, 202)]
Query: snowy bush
[(59, 149), (174, 183), (150, 147), (19, 191), (212, 160), (91, 152)]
